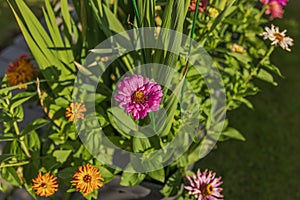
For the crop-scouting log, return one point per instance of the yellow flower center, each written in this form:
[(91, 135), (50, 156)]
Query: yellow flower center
[(139, 97), (209, 189), (87, 178), (279, 37)]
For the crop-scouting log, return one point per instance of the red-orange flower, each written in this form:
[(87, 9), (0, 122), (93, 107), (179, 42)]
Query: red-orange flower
[(87, 179), (45, 185), (21, 71), (201, 7), (75, 111)]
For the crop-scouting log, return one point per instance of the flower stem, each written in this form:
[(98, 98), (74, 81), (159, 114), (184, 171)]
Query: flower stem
[(21, 140), (257, 68), (14, 164)]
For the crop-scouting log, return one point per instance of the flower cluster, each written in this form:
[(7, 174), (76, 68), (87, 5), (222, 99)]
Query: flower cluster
[(275, 8), (86, 180), (138, 95), (21, 71), (205, 186)]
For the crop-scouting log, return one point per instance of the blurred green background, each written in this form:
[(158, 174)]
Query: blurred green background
[(267, 165), (8, 24)]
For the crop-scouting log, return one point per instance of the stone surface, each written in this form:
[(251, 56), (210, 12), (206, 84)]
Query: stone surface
[(3, 67), (11, 53), (20, 42)]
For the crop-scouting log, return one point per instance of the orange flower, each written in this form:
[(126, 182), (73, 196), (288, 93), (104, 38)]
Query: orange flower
[(45, 185), (75, 111), (21, 71), (87, 179)]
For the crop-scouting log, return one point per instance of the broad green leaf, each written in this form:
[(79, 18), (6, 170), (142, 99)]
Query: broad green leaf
[(131, 179), (158, 175), (34, 125), (105, 173), (21, 98), (140, 144), (62, 155), (66, 174), (121, 121), (266, 76), (173, 184)]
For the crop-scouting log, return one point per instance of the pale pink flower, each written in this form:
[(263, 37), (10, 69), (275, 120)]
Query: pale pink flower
[(138, 96), (205, 186)]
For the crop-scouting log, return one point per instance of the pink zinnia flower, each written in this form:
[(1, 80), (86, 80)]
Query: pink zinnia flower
[(201, 7), (280, 2), (275, 7), (205, 186), (138, 96)]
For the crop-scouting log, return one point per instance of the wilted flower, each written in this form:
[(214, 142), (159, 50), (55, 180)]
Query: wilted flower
[(278, 37), (21, 71), (45, 185), (205, 186), (201, 7), (75, 111), (87, 179), (138, 96), (237, 48)]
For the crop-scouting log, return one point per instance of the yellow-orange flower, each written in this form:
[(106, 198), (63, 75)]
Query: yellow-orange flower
[(87, 179), (21, 71), (45, 185), (237, 48), (75, 111)]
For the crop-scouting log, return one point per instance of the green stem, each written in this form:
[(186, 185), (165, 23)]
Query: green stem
[(190, 49), (14, 164), (191, 39), (21, 140), (256, 69)]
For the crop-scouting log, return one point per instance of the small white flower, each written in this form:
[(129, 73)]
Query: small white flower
[(278, 37)]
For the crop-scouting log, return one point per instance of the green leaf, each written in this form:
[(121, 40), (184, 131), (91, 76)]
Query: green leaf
[(233, 133), (158, 175), (121, 121), (12, 177), (170, 107), (34, 125), (62, 155), (173, 184), (21, 98), (66, 174), (105, 173), (5, 157), (266, 76), (131, 179), (140, 144)]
